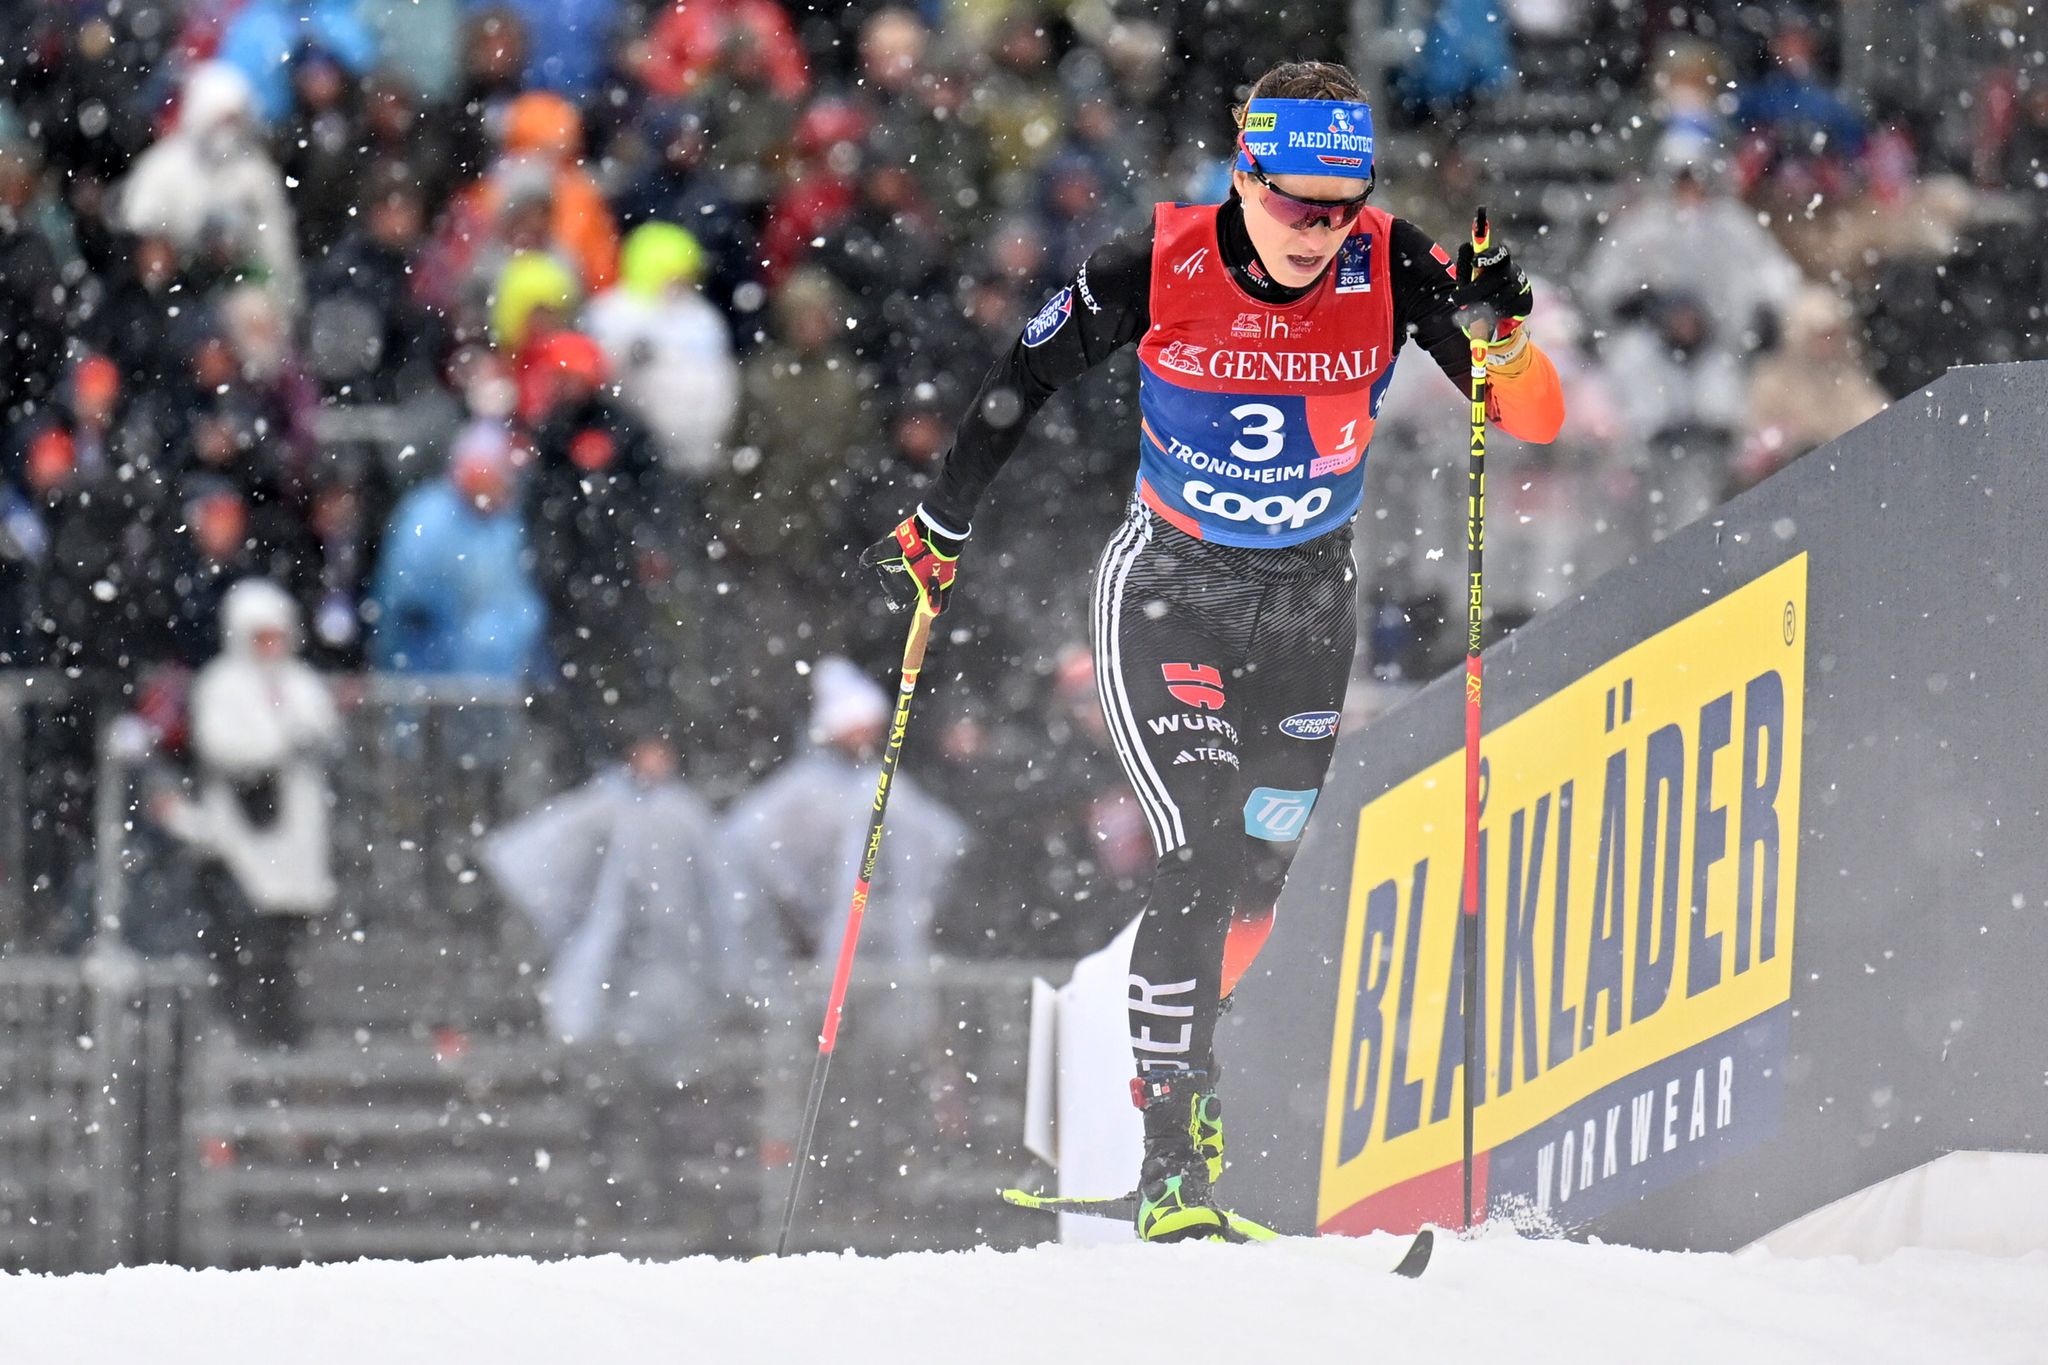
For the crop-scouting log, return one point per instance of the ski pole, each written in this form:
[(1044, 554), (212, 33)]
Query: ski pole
[(1475, 620), (828, 1036)]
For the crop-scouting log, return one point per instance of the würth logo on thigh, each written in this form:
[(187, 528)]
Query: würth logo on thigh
[(1194, 685)]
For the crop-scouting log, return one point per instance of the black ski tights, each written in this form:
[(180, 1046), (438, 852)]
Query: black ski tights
[(1222, 672)]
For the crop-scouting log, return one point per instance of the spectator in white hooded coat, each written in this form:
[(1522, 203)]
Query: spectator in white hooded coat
[(212, 173), (263, 727), (670, 347), (1686, 236)]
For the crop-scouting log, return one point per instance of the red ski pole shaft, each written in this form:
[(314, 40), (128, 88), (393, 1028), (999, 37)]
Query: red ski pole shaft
[(849, 939), (1475, 622)]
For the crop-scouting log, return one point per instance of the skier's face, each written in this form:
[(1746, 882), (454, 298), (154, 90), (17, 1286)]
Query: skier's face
[(1296, 222)]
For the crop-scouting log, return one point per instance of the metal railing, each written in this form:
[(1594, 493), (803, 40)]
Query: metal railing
[(134, 1128), (425, 1114), (22, 695), (450, 1148), (429, 766), (92, 1054)]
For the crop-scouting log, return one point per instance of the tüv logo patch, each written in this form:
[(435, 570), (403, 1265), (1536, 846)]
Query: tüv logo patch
[(1310, 725), (1276, 814)]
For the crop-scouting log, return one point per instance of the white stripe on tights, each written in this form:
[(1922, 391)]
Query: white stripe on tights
[(1168, 832)]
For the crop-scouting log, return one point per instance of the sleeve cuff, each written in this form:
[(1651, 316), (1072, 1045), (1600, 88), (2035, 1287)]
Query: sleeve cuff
[(1507, 357), (941, 527)]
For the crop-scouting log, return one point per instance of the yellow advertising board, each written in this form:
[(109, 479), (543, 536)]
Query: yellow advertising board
[(1639, 868)]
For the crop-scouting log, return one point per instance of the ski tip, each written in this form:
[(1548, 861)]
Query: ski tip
[(1095, 1206), (1417, 1258), (1246, 1230)]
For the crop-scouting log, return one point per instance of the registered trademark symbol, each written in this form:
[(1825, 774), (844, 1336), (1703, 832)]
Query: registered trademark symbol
[(1791, 623)]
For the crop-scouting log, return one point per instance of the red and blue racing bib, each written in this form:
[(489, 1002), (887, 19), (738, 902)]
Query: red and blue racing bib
[(1256, 417)]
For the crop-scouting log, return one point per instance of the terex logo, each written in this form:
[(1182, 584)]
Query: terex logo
[(1276, 510)]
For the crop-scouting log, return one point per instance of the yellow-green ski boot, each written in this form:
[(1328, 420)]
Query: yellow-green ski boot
[(1205, 1130), (1183, 1157)]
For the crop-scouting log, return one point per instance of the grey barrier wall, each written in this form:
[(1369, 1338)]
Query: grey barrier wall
[(1763, 872), (134, 1129), (27, 700), (427, 1112), (14, 808), (92, 1059)]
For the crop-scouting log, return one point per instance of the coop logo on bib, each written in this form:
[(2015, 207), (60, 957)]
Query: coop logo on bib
[(1276, 510), (1050, 319)]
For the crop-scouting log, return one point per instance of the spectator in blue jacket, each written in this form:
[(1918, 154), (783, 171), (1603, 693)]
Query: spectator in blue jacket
[(1793, 103), (570, 42), (454, 592), (1465, 58), (264, 35)]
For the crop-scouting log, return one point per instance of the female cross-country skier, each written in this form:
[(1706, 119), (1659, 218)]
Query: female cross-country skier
[(1224, 608)]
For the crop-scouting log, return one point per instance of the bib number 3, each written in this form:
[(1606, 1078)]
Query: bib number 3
[(1264, 421)]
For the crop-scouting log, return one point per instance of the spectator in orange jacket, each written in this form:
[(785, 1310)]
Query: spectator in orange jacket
[(543, 127)]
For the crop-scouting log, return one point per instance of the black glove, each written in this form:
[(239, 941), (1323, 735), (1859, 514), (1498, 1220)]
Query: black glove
[(1493, 295), (916, 563)]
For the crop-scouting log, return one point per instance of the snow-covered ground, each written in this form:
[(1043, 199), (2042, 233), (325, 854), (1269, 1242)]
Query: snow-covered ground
[(1498, 1299)]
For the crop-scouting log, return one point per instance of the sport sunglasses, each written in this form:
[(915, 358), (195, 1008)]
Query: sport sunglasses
[(1296, 213)]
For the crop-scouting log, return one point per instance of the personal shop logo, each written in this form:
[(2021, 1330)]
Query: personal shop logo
[(1050, 319), (1310, 725)]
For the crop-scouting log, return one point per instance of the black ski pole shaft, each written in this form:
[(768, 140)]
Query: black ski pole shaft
[(849, 939), (1475, 621)]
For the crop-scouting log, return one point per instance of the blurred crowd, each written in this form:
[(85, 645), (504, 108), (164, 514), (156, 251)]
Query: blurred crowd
[(662, 309), (1816, 212)]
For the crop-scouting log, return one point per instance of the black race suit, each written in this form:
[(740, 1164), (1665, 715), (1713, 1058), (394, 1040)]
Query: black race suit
[(1203, 651)]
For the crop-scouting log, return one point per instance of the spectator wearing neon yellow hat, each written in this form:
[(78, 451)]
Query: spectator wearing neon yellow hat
[(532, 293), (669, 347)]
